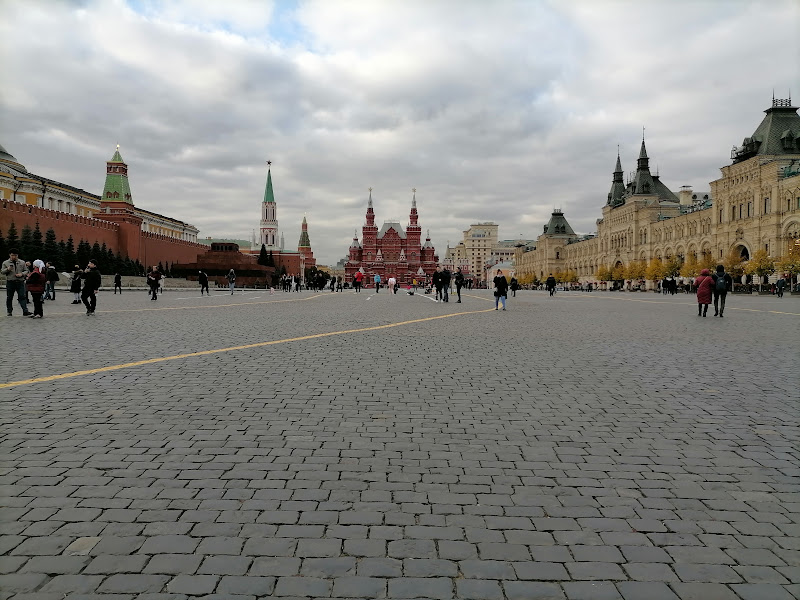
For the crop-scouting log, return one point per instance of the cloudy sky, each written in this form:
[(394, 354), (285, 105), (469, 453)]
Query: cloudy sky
[(494, 111)]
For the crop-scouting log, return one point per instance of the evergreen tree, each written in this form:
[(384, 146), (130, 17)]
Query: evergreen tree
[(139, 269), (68, 256), (51, 250), (26, 243), (270, 260), (263, 258), (3, 246), (62, 252), (83, 253), (160, 267), (37, 244), (12, 239), (96, 254)]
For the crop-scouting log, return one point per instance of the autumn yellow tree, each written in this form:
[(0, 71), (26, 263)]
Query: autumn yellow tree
[(672, 266), (570, 276), (706, 262), (690, 267), (618, 272), (760, 264), (790, 262), (655, 270), (734, 263), (603, 273), (636, 270)]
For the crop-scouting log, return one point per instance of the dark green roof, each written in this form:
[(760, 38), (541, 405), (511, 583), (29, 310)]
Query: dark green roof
[(116, 186), (557, 225), (770, 136), (268, 195)]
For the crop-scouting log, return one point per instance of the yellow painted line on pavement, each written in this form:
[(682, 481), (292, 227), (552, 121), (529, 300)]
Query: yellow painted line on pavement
[(151, 361), (154, 309)]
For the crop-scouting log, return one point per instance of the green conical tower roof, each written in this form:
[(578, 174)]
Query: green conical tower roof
[(268, 195), (117, 188), (304, 242)]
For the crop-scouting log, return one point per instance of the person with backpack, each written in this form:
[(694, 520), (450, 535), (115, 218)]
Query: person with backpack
[(36, 284), (780, 285), (231, 277), (203, 279), (703, 286), (722, 284), (459, 278)]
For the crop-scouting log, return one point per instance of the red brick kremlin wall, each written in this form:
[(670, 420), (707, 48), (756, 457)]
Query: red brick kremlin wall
[(153, 248)]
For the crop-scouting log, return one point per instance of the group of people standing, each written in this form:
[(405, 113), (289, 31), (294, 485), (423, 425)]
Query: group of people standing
[(38, 279)]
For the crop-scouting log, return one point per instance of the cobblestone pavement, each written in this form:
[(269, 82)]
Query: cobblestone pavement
[(586, 446)]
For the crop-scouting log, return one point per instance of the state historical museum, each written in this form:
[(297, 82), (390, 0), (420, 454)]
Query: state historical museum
[(392, 251)]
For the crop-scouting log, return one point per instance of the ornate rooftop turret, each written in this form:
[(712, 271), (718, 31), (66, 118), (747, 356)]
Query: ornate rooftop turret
[(117, 188), (615, 196), (776, 135), (558, 226), (643, 180)]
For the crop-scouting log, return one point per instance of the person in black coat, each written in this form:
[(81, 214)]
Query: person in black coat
[(91, 283), (117, 283), (446, 277), (500, 289), (75, 285), (203, 279), (550, 284), (459, 280), (436, 280)]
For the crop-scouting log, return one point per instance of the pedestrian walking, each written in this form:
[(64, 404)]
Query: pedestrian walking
[(203, 279), (75, 285), (117, 283), (154, 281), (357, 278), (459, 278), (446, 278), (500, 289), (16, 273), (514, 286), (36, 284), (51, 276), (723, 283), (231, 277), (550, 284), (780, 285), (377, 280), (391, 284), (436, 281), (704, 284), (91, 284)]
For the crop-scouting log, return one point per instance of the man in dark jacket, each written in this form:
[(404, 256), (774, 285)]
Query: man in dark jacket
[(436, 280), (51, 276), (203, 279), (91, 283), (117, 284), (550, 284), (723, 283), (459, 278), (446, 277)]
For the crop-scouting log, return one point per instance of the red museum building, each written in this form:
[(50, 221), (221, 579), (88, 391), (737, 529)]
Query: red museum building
[(392, 251)]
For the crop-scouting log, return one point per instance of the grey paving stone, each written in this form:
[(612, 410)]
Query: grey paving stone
[(359, 587), (318, 548), (412, 549), (173, 564), (429, 567), (542, 571), (707, 573), (595, 571), (475, 589), (645, 590), (532, 590), (650, 572), (193, 585), (302, 586), (21, 582), (132, 584), (237, 585), (487, 569), (275, 566), (591, 590), (703, 591), (411, 587), (56, 565), (761, 591), (110, 564), (328, 567), (225, 565), (379, 567), (169, 544), (72, 583)]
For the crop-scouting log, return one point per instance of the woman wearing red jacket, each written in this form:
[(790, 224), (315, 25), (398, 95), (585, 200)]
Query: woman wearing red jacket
[(704, 284), (35, 283)]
